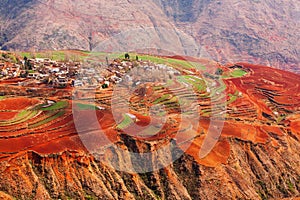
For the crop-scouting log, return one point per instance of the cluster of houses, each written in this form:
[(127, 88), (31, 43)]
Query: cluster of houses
[(125, 71), (9, 70), (59, 74), (133, 73), (40, 71), (104, 75)]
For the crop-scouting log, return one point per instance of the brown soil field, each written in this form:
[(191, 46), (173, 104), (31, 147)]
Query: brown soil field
[(7, 115), (17, 103)]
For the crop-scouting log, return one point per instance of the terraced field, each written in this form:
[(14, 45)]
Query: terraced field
[(229, 121), (34, 127), (250, 103)]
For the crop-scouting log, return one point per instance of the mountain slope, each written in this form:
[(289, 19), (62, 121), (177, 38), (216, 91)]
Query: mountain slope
[(263, 32), (258, 31)]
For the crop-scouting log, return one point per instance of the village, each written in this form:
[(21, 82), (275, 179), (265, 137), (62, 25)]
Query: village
[(39, 72), (44, 72)]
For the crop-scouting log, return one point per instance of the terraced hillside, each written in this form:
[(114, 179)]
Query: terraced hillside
[(79, 148)]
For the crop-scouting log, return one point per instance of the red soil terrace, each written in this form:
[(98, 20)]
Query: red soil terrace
[(269, 98), (7, 115), (17, 103)]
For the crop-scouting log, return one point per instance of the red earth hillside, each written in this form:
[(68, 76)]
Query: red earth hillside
[(261, 128), (265, 95)]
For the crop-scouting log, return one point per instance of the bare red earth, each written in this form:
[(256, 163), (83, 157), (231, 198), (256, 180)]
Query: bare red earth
[(7, 115), (17, 103)]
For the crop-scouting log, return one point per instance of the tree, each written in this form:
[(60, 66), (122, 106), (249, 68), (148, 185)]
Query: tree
[(219, 71), (28, 64), (104, 86), (127, 56)]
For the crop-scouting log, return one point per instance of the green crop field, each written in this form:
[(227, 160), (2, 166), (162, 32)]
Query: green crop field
[(162, 98), (56, 106), (232, 97), (86, 106), (51, 117), (57, 55), (172, 62), (125, 123), (198, 84), (238, 73), (22, 116)]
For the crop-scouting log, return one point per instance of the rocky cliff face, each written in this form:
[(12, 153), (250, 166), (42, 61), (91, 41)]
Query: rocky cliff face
[(264, 32), (252, 172)]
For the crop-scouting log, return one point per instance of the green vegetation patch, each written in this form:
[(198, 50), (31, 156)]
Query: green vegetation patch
[(31, 71), (162, 98), (86, 106), (238, 73), (10, 56), (216, 91), (280, 118), (206, 112), (173, 62), (56, 106), (57, 55), (232, 97), (21, 117), (125, 123), (51, 117), (198, 84)]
